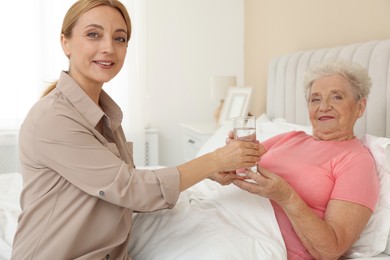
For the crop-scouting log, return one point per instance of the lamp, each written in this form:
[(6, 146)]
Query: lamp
[(219, 88)]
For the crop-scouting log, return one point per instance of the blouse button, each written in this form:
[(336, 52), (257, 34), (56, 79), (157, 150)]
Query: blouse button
[(107, 256), (101, 193)]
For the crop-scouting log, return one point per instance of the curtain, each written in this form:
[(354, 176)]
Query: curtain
[(33, 58)]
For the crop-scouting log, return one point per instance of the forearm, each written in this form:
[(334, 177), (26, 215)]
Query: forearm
[(318, 237), (196, 170)]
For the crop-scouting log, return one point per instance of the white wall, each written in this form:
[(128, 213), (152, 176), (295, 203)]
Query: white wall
[(188, 41)]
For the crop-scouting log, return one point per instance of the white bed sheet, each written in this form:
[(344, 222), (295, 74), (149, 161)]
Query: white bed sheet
[(209, 222)]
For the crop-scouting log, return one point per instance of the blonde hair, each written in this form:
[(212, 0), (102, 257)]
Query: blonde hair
[(79, 8), (356, 75)]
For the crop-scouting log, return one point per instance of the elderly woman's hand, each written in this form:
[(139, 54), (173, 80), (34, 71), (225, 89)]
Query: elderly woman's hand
[(266, 184)]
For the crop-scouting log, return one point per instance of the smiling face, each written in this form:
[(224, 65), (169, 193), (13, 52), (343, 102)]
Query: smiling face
[(96, 48), (334, 108)]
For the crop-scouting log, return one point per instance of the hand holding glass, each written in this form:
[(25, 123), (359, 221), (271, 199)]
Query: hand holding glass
[(245, 130)]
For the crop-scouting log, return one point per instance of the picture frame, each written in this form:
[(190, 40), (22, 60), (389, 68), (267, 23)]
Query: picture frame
[(236, 103)]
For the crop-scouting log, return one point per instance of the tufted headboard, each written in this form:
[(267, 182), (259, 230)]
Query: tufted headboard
[(285, 96)]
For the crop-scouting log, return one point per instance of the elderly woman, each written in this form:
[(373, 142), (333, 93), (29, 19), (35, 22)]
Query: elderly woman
[(324, 186)]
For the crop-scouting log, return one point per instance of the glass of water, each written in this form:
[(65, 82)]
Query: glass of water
[(244, 128)]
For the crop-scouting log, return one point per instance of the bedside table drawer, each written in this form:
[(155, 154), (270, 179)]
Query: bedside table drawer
[(192, 144), (193, 139)]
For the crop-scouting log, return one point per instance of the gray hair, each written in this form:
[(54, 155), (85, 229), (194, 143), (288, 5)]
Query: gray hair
[(356, 75)]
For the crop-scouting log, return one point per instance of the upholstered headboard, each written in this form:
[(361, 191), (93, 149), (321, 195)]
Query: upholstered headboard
[(285, 96)]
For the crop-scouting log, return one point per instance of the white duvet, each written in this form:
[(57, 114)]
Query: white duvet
[(210, 221)]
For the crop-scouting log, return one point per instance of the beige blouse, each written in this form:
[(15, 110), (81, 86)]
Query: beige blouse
[(81, 187)]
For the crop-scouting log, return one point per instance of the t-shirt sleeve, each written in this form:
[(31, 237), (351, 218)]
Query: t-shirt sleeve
[(356, 181)]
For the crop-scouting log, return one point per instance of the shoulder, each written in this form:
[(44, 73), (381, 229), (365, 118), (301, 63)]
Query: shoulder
[(355, 151), (52, 116), (286, 137)]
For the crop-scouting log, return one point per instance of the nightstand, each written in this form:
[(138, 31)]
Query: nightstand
[(194, 136)]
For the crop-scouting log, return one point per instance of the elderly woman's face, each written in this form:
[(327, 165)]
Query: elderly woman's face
[(334, 108)]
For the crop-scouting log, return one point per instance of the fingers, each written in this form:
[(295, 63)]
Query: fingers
[(226, 178), (237, 154), (265, 173), (266, 184), (247, 186), (256, 182), (252, 175), (230, 137), (247, 147)]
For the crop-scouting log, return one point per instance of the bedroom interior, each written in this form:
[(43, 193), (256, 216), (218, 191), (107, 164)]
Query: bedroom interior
[(164, 234), (261, 35), (237, 38), (270, 29), (286, 111)]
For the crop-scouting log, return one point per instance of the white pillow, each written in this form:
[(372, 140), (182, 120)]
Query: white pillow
[(375, 236)]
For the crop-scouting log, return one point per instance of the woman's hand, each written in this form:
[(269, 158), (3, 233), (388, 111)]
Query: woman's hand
[(236, 154), (225, 178), (230, 138), (266, 184)]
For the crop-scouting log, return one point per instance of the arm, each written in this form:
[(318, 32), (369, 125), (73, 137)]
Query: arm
[(236, 154), (332, 236), (326, 238)]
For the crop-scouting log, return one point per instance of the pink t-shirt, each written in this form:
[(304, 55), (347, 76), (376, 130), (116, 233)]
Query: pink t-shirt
[(320, 171)]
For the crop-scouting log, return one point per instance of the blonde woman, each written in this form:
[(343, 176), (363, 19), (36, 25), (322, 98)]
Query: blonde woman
[(80, 186)]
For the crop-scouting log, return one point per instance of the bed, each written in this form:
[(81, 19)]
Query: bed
[(222, 222), (215, 222)]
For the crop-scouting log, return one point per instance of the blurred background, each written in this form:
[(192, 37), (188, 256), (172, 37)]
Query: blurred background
[(177, 46)]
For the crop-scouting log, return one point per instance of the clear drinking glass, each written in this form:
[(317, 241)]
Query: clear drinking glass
[(244, 128)]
